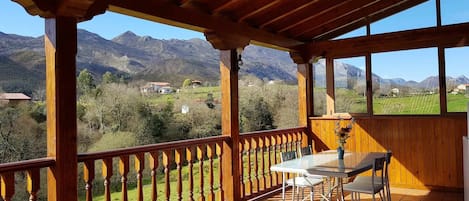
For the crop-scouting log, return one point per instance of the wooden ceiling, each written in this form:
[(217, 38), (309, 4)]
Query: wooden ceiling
[(282, 24)]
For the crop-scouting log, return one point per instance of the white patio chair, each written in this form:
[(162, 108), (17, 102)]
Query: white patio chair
[(299, 181)]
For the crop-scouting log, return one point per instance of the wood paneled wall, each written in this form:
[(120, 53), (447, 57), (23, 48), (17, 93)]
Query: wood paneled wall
[(427, 151)]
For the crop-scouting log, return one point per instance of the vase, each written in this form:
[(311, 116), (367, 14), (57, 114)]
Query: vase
[(340, 153)]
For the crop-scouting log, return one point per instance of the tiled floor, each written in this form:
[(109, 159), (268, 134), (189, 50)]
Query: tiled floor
[(398, 194)]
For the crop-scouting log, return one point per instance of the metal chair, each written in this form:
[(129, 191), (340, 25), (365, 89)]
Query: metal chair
[(298, 181), (367, 179), (376, 184)]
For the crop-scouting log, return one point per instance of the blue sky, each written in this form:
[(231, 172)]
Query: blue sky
[(411, 65)]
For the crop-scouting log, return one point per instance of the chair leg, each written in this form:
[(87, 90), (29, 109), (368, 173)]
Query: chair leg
[(373, 196), (388, 191)]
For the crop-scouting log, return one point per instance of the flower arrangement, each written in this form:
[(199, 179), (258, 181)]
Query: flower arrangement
[(343, 133)]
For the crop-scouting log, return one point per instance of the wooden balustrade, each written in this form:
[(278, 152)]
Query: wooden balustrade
[(177, 159), (172, 168), (32, 170), (260, 150)]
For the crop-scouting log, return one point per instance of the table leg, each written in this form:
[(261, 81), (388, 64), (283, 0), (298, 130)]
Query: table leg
[(283, 186)]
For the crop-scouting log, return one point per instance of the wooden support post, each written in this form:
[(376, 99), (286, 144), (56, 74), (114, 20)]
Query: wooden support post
[(230, 124), (229, 66), (60, 48), (330, 96), (305, 91)]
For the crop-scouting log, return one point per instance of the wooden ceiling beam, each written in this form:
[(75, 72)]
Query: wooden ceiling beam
[(163, 12), (256, 7), (345, 21), (282, 11), (370, 19), (445, 36), (81, 10), (308, 13), (225, 5), (341, 11)]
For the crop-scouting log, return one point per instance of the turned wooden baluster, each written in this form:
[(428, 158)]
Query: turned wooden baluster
[(254, 147), (178, 159), (249, 173), (88, 176), (210, 150), (166, 161), (123, 171), (33, 183), (241, 169), (275, 142), (261, 148), (290, 141), (190, 163), (220, 168), (107, 173), (200, 157), (7, 185), (153, 168), (268, 145), (139, 167)]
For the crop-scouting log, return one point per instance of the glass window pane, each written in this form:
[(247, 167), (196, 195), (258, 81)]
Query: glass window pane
[(453, 12), (457, 78), (319, 87), (406, 82), (350, 85), (401, 22)]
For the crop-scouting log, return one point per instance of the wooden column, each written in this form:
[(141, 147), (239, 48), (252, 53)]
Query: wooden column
[(330, 96), (60, 48), (305, 86), (227, 44), (230, 123)]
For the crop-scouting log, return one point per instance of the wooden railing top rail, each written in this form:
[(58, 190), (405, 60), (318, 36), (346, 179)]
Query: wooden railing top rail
[(151, 147), (271, 132), (27, 164)]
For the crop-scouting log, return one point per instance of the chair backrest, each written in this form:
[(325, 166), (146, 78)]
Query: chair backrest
[(288, 155), (388, 161), (306, 151), (378, 166)]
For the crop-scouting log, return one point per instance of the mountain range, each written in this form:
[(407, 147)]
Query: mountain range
[(139, 57), (22, 62)]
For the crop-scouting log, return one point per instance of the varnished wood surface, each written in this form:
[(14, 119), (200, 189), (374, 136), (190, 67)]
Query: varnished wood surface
[(397, 194), (427, 151)]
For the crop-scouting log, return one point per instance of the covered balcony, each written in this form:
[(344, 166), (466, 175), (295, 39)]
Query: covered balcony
[(427, 148)]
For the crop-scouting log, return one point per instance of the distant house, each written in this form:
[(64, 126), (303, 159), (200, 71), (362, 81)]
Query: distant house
[(394, 91), (153, 87), (13, 98), (196, 83), (461, 89)]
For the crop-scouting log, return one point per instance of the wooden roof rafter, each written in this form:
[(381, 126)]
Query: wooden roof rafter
[(169, 13), (341, 11), (256, 7), (284, 10), (386, 12)]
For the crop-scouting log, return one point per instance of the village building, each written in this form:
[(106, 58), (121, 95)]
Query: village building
[(13, 98)]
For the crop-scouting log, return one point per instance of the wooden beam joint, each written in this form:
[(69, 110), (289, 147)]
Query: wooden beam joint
[(81, 10), (223, 41)]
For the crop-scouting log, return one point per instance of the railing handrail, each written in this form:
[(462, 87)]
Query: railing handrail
[(271, 132), (27, 164), (151, 147)]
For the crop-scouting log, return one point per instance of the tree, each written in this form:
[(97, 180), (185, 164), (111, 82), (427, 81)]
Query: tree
[(256, 115), (85, 82), (186, 83), (109, 78)]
